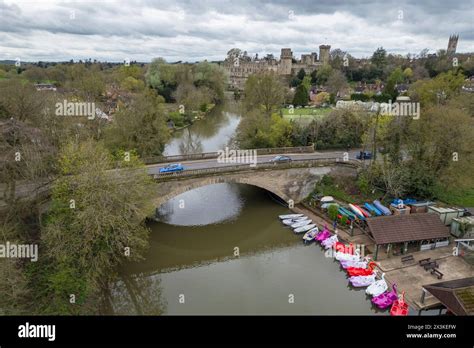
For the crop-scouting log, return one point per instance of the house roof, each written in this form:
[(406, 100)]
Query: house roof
[(457, 295), (406, 228)]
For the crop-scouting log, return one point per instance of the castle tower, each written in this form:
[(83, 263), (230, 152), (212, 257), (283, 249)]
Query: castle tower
[(452, 44), (324, 53), (286, 62)]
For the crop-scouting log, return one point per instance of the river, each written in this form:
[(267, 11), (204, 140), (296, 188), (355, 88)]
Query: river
[(220, 249)]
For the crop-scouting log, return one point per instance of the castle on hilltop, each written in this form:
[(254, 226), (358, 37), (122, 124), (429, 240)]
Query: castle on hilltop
[(240, 66)]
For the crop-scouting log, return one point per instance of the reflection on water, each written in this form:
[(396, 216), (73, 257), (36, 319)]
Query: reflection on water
[(210, 134), (220, 202)]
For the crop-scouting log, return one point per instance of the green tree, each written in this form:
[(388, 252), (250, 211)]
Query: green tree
[(264, 90), (379, 58), (141, 126), (84, 243), (301, 96), (301, 74)]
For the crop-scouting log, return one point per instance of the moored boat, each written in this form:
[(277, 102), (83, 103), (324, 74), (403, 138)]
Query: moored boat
[(301, 223), (304, 228), (353, 271), (386, 299), (290, 216), (309, 236), (361, 264), (378, 287), (329, 242), (289, 222), (323, 235), (340, 256), (361, 281), (399, 307)]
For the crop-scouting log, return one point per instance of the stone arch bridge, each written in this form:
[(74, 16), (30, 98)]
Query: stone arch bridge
[(289, 181)]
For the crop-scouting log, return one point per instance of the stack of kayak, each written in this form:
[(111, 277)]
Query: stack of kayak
[(298, 222)]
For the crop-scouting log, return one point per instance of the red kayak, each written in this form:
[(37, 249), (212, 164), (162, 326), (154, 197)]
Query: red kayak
[(399, 307), (352, 271)]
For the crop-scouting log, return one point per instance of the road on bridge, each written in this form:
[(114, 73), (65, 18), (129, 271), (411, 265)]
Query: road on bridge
[(213, 163)]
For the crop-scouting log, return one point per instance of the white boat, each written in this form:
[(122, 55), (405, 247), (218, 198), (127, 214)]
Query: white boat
[(340, 256), (309, 236), (327, 205), (378, 287), (290, 216), (328, 243), (327, 199), (301, 223), (289, 222), (304, 228), (356, 264)]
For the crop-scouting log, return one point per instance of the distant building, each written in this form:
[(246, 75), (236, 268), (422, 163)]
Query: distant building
[(452, 44), (240, 66), (45, 87)]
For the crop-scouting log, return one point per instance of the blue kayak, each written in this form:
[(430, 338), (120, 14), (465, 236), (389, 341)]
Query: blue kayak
[(382, 208), (372, 209), (347, 213)]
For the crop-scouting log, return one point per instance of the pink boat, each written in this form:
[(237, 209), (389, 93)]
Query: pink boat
[(323, 235), (385, 300)]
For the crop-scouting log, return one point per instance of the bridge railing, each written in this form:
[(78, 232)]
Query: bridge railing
[(210, 155), (299, 163)]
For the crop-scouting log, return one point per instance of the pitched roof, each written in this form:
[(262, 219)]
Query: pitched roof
[(406, 228), (457, 295)]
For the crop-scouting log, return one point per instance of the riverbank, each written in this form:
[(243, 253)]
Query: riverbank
[(407, 277)]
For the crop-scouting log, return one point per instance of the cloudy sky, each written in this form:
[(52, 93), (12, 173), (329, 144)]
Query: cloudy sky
[(192, 30)]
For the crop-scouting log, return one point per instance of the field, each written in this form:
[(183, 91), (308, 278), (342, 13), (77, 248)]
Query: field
[(305, 115)]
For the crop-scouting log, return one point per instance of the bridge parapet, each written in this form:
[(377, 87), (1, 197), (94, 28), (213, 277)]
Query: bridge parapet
[(210, 155), (303, 163)]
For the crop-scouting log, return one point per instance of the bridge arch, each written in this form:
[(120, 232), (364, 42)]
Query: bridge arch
[(194, 184), (292, 183)]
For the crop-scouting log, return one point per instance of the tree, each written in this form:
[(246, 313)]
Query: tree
[(141, 126), (20, 100), (408, 74), (260, 131), (301, 74), (336, 82), (323, 74), (379, 58), (301, 96), (437, 90), (84, 243), (264, 90)]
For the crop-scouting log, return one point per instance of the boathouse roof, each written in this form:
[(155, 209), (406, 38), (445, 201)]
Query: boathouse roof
[(456, 295), (406, 228)]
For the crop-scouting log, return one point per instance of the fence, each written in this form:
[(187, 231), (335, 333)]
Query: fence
[(303, 163), (210, 155)]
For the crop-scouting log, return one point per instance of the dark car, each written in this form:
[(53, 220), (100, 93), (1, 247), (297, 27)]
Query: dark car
[(363, 155), (280, 159)]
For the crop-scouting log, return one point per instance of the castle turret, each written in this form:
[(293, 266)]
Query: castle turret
[(286, 63), (324, 53), (452, 44)]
